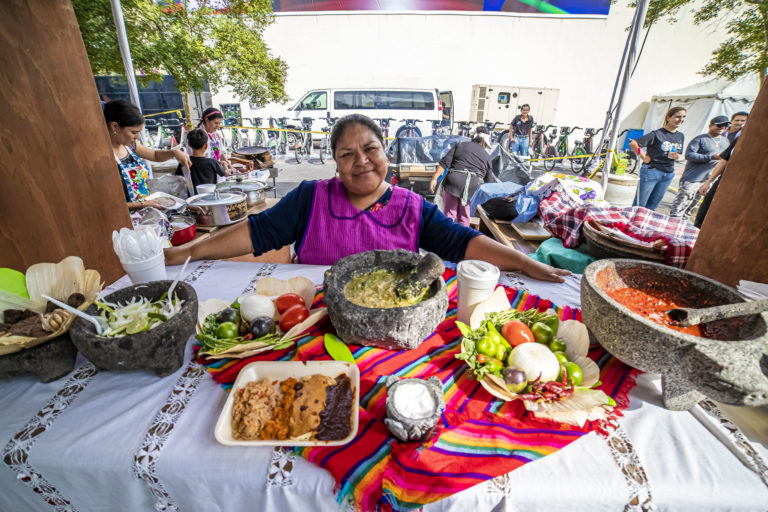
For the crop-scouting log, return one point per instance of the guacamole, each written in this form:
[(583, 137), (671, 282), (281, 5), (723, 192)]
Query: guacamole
[(377, 290)]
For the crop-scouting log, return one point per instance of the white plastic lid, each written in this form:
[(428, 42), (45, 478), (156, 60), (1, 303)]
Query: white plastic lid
[(478, 274)]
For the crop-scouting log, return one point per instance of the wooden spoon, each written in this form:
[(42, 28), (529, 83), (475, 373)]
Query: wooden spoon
[(686, 317)]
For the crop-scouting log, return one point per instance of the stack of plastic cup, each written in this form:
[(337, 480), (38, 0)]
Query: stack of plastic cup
[(145, 271)]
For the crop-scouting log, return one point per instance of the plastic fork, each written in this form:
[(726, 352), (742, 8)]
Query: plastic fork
[(97, 321)]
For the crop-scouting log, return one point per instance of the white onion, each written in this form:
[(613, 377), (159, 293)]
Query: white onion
[(535, 359), (253, 306)]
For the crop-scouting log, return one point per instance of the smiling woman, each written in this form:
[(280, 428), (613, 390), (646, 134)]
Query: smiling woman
[(358, 211), (125, 122)]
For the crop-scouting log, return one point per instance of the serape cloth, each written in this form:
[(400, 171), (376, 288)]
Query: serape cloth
[(478, 437), (564, 218)]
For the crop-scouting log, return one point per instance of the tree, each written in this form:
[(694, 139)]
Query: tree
[(215, 41), (746, 23)]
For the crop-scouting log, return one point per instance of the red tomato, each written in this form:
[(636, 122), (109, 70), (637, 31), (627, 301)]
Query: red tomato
[(287, 300), (292, 316), (517, 333)]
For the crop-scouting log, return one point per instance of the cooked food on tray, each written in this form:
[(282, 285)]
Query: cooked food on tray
[(316, 407)]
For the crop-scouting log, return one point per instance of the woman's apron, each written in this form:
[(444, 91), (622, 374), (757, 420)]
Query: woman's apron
[(134, 175)]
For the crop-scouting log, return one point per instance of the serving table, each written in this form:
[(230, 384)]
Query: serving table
[(97, 440)]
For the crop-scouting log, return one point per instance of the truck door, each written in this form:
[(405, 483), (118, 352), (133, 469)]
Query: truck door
[(446, 97)]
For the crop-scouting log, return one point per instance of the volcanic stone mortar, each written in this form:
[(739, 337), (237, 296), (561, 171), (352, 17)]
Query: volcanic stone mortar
[(413, 429), (732, 369), (48, 361), (391, 328), (160, 349)]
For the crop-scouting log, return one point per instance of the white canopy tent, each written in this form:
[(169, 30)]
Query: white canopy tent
[(704, 101)]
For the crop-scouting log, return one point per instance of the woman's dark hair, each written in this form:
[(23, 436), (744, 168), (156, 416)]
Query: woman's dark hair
[(345, 122), (525, 105), (478, 139), (673, 111), (123, 113), (209, 114), (197, 138), (481, 129)]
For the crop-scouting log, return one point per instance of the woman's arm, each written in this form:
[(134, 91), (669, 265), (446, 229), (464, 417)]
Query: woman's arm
[(161, 155), (506, 258), (636, 148), (226, 243), (433, 184)]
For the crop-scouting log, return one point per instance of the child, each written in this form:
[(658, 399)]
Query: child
[(204, 170)]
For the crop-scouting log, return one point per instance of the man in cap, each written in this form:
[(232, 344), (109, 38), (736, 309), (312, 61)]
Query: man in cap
[(701, 156)]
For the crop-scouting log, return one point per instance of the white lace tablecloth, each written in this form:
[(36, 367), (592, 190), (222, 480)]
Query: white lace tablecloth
[(104, 441)]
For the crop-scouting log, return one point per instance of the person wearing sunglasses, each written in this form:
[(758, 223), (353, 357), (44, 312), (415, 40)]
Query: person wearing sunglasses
[(701, 156)]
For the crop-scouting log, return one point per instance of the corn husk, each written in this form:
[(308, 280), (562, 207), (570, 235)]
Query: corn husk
[(57, 280), (497, 301), (273, 287)]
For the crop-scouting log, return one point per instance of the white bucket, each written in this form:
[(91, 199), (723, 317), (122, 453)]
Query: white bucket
[(477, 280), (145, 271), (620, 190)]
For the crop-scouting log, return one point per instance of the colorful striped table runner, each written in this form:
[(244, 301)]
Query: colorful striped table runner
[(479, 437)]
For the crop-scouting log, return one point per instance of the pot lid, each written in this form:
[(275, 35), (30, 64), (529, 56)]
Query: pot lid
[(245, 185), (210, 199), (252, 150)]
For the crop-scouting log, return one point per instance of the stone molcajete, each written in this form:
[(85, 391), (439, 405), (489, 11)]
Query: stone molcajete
[(732, 369), (396, 328), (160, 349), (413, 407)]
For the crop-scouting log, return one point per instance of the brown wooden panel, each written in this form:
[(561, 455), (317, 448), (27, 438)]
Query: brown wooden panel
[(61, 192), (733, 242)]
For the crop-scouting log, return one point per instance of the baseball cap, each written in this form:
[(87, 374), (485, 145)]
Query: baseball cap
[(720, 120)]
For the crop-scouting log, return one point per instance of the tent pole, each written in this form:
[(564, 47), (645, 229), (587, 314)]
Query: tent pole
[(622, 66), (130, 74), (641, 11)]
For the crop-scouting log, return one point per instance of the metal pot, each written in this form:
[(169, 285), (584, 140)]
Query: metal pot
[(255, 191), (218, 209)]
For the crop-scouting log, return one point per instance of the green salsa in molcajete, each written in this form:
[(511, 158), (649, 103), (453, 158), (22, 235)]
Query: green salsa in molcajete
[(377, 289)]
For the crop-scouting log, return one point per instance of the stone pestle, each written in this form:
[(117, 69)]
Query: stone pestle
[(429, 268)]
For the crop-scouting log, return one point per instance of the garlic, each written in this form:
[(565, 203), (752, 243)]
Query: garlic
[(53, 321)]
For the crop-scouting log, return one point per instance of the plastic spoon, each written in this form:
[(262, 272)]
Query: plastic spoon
[(97, 321), (176, 281), (685, 317)]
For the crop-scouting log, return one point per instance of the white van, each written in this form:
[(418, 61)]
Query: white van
[(422, 105)]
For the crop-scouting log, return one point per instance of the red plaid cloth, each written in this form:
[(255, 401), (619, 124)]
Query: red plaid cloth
[(564, 219)]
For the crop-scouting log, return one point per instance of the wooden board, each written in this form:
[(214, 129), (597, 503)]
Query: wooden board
[(503, 233), (61, 189), (733, 241), (531, 231)]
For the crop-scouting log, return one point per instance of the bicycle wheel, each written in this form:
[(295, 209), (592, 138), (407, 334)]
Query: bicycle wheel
[(550, 153), (259, 139), (298, 147), (577, 164), (504, 141)]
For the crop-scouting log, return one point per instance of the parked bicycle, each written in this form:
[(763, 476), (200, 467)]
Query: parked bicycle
[(583, 147), (383, 124), (304, 140), (464, 128), (281, 140), (593, 168), (559, 149), (325, 142), (409, 129), (496, 136), (542, 140), (259, 133)]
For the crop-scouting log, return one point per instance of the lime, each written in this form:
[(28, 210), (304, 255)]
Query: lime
[(561, 357), (557, 345), (574, 373), (140, 324), (227, 330)]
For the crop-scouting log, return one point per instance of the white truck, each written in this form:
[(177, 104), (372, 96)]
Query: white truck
[(501, 103)]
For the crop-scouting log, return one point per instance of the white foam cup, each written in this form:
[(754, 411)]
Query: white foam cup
[(152, 269), (477, 280), (206, 188)]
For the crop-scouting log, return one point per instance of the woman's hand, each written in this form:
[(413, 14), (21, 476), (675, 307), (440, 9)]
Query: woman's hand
[(544, 272), (645, 158), (182, 158), (154, 203), (673, 155)]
